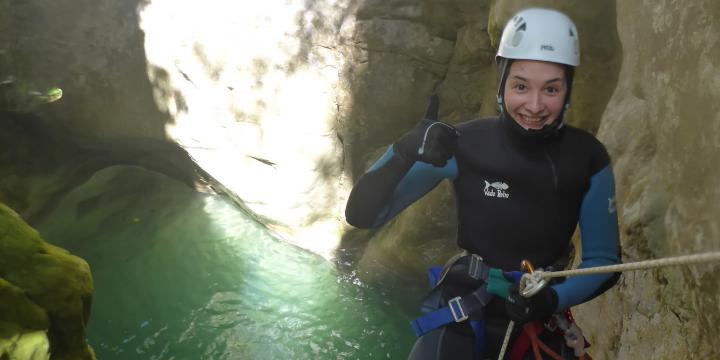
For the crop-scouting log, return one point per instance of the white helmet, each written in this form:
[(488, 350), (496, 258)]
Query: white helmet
[(540, 34)]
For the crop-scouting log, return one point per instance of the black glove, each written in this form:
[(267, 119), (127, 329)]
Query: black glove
[(537, 307), (431, 141)]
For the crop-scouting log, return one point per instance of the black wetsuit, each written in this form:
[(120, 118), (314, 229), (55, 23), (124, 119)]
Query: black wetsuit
[(517, 198)]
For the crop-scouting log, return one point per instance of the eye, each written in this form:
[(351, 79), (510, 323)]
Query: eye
[(520, 87), (552, 90)]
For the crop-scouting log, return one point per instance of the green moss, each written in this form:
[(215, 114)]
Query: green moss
[(18, 313), (32, 345), (48, 288)]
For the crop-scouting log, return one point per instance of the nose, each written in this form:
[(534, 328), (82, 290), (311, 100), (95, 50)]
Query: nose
[(534, 103)]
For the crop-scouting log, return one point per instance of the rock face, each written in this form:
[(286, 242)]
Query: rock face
[(42, 287), (26, 346), (40, 162), (662, 128), (94, 51)]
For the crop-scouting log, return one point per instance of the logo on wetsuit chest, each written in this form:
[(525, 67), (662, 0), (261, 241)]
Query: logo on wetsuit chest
[(496, 189)]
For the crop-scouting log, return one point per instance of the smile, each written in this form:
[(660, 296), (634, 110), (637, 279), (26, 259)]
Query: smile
[(533, 119)]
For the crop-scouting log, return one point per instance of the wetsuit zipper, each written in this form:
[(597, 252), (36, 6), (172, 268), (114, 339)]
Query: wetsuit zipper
[(552, 168), (555, 183)]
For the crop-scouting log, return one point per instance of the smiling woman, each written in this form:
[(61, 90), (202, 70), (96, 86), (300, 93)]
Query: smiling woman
[(541, 179), (535, 93)]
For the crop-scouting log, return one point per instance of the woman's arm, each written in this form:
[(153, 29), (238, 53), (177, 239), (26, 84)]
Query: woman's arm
[(391, 185), (600, 242)]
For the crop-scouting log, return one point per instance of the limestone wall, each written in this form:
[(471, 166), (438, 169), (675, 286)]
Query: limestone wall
[(92, 50), (662, 128)]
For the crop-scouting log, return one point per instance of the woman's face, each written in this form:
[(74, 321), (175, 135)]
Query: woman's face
[(534, 92)]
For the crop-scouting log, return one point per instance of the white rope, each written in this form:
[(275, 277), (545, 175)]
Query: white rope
[(506, 340), (640, 265)]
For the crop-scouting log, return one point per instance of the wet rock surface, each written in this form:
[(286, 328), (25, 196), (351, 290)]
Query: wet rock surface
[(46, 287)]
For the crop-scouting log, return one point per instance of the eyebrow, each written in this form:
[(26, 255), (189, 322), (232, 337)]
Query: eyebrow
[(547, 82)]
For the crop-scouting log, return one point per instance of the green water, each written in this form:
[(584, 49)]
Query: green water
[(182, 275)]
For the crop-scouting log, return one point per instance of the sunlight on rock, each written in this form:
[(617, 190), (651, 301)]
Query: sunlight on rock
[(28, 346), (251, 88)]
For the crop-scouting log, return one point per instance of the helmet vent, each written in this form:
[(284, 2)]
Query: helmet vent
[(517, 38), (519, 29)]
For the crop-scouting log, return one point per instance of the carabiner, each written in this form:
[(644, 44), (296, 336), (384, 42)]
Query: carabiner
[(532, 281)]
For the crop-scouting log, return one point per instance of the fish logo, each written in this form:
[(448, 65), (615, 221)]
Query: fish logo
[(496, 189), (496, 185)]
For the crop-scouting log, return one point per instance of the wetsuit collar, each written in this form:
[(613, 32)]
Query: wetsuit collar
[(529, 138)]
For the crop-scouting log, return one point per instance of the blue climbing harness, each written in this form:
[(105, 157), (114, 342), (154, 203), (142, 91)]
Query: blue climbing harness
[(438, 313)]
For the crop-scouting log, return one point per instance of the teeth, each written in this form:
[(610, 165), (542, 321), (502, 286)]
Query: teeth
[(533, 119)]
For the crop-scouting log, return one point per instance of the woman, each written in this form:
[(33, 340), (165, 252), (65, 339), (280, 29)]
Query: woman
[(522, 182)]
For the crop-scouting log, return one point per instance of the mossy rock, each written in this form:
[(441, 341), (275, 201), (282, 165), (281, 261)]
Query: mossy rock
[(17, 313), (49, 277), (25, 346)]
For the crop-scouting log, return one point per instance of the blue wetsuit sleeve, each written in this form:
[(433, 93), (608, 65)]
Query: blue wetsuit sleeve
[(419, 180), (391, 185), (600, 242)]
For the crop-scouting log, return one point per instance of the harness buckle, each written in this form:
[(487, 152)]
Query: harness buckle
[(475, 268), (455, 305)]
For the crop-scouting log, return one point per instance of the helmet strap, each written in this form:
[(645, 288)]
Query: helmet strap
[(503, 68)]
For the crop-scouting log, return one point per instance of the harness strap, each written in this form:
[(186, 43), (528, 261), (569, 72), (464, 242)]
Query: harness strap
[(458, 310), (436, 275), (478, 327), (433, 299)]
